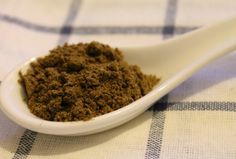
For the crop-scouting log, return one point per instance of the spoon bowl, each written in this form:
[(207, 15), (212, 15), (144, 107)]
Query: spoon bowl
[(173, 60)]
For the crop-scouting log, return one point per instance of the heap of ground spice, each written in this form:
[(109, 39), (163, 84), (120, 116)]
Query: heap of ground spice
[(81, 81)]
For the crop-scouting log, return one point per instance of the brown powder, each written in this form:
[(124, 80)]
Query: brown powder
[(78, 82)]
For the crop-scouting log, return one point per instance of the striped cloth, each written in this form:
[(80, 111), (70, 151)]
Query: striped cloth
[(197, 120)]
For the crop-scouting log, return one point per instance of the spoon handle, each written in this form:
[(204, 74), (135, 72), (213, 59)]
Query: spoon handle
[(210, 42), (187, 53), (196, 49), (178, 58), (206, 45)]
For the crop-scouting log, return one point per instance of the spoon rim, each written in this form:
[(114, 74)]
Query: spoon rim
[(117, 117)]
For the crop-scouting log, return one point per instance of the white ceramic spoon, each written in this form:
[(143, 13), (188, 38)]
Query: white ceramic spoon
[(173, 60)]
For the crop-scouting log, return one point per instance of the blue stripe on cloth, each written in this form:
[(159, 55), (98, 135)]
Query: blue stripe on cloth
[(171, 11), (28, 25), (155, 133), (90, 30), (201, 106), (28, 138), (25, 145), (66, 30)]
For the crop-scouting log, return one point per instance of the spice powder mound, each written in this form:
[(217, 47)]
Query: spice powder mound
[(82, 81)]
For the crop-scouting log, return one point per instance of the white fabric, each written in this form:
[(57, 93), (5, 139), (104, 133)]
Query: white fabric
[(200, 121)]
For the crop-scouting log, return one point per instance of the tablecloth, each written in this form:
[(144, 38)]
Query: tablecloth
[(197, 120)]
